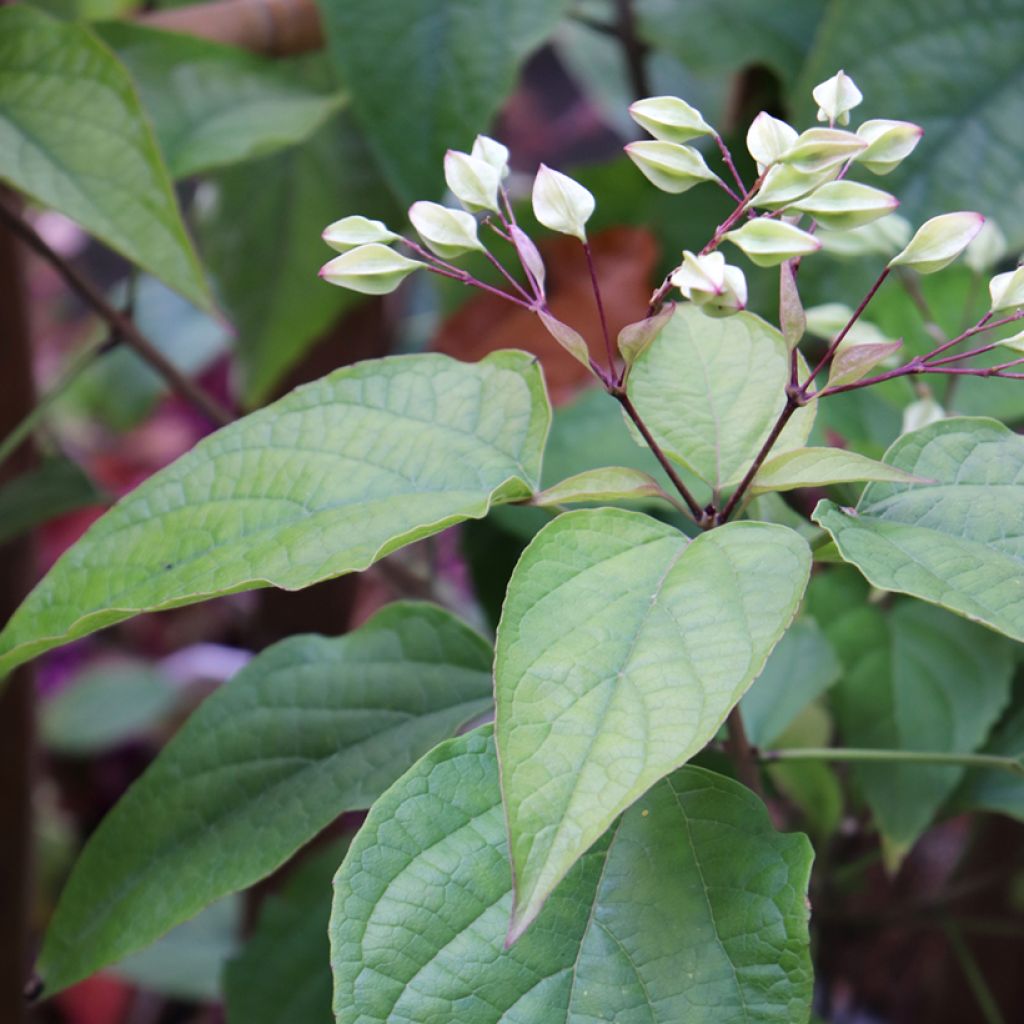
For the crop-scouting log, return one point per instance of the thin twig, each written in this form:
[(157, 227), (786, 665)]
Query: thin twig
[(123, 326), (742, 754), (443, 268), (870, 755), (727, 160), (633, 48), (608, 347)]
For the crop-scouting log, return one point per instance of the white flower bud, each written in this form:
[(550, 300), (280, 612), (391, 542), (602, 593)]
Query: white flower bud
[(920, 414), (349, 232), (561, 204), (939, 241), (1015, 342), (889, 143), (732, 298), (1007, 290), (836, 97), (842, 205), (767, 243), (703, 275), (828, 319), (473, 181), (987, 249), (768, 138), (670, 119), (491, 152), (879, 238), (571, 340), (372, 269), (670, 166), (783, 185), (820, 148), (446, 233)]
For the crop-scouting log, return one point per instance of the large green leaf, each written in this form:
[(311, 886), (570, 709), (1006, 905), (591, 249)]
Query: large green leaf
[(920, 679), (325, 481), (952, 66), (721, 36), (283, 975), (309, 729), (260, 236), (213, 105), (711, 390), (73, 136), (692, 909), (423, 79), (956, 542), (621, 649)]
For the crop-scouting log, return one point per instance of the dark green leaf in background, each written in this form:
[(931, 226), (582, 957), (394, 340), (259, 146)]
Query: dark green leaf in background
[(213, 105), (691, 909), (73, 136), (55, 487), (427, 77), (309, 729)]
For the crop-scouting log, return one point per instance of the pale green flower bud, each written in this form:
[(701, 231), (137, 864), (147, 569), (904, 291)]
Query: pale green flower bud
[(571, 340), (783, 185), (939, 241), (842, 205), (828, 319), (670, 166), (889, 143), (704, 275), (472, 180), (349, 232), (1007, 290), (768, 138), (819, 148), (731, 299), (670, 119), (446, 233), (987, 249), (491, 152), (880, 238), (1015, 342), (836, 97), (372, 269), (561, 204), (920, 414), (529, 255), (767, 243)]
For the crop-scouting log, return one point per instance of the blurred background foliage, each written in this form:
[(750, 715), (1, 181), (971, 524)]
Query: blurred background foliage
[(184, 158)]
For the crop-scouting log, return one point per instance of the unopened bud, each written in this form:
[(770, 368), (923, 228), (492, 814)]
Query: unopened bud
[(732, 298), (670, 166), (371, 269), (836, 97), (670, 119), (768, 138), (491, 152), (820, 148), (842, 205), (447, 233), (889, 143), (988, 247), (879, 238), (783, 185), (1007, 290), (767, 243), (350, 232), (529, 255), (920, 414), (939, 241), (472, 180), (704, 275), (828, 319), (561, 204)]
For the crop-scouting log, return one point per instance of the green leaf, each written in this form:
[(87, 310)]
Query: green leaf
[(213, 105), (260, 236), (326, 481), (710, 391), (920, 679), (283, 974), (57, 486), (988, 789), (622, 647), (919, 60), (613, 483), (310, 728), (718, 36), (420, 82), (187, 962), (105, 706), (692, 909), (820, 467), (73, 136), (801, 668), (953, 543)]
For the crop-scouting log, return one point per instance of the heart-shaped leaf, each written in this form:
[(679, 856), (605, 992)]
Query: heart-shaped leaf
[(692, 909), (310, 728), (621, 649), (326, 481), (955, 542), (710, 391)]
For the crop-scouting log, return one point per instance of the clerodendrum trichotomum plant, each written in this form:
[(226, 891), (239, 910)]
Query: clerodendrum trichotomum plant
[(566, 863)]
